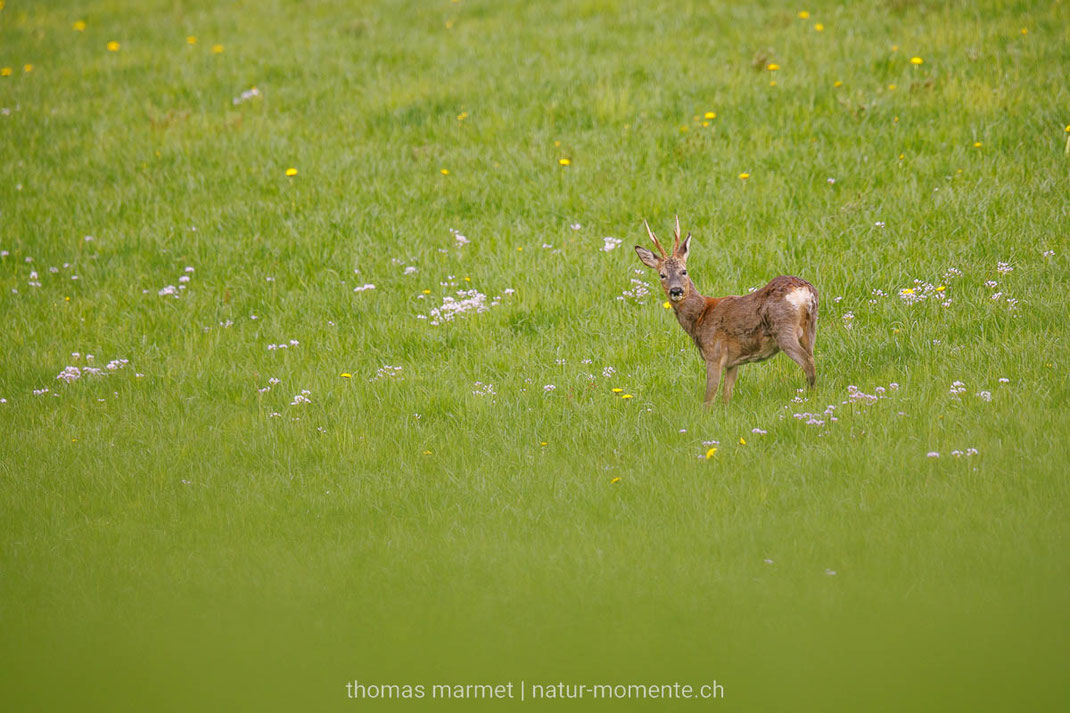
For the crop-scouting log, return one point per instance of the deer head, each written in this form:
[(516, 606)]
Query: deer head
[(672, 269)]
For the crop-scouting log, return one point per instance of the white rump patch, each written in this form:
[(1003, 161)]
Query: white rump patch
[(800, 297)]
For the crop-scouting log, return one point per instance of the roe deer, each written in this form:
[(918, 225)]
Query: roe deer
[(730, 331)]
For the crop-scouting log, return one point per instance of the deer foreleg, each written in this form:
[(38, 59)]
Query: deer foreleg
[(730, 382), (713, 379)]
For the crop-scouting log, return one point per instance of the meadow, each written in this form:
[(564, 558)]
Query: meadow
[(328, 357)]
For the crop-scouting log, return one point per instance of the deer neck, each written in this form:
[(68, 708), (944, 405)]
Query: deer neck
[(690, 309)]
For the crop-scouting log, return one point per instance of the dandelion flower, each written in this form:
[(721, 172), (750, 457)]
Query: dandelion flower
[(837, 84), (819, 27), (617, 391), (627, 396), (5, 71), (711, 453), (891, 87), (772, 67), (191, 40), (916, 60), (564, 162), (444, 171), (217, 49), (615, 480), (803, 15), (346, 375), (710, 115), (113, 46), (27, 68), (79, 25), (666, 305), (977, 144), (741, 441), (744, 176), (462, 116), (291, 172)]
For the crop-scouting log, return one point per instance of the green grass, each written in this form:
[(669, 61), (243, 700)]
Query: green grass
[(167, 543)]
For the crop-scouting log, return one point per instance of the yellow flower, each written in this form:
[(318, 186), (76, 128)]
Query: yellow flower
[(346, 375), (916, 60), (427, 453), (5, 71), (557, 143), (710, 453), (542, 443), (941, 288), (803, 15), (902, 156), (977, 144), (564, 162), (772, 67), (741, 441), (27, 68), (617, 391), (444, 171), (462, 116), (1025, 30), (666, 304), (705, 124), (837, 83), (113, 46), (891, 87), (79, 26), (1068, 128), (895, 48), (427, 292), (819, 27), (291, 172), (710, 115), (772, 83), (520, 248), (684, 128), (627, 396), (908, 290), (615, 480), (217, 49), (744, 176), (468, 279)]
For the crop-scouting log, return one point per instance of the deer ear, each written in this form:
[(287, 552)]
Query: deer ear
[(647, 257), (685, 247)]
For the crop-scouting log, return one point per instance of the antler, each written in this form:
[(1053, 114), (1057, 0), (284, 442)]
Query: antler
[(676, 242), (655, 239)]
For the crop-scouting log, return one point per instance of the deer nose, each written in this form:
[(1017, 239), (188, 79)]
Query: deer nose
[(676, 292)]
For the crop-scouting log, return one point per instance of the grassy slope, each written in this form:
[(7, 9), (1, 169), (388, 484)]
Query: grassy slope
[(164, 537)]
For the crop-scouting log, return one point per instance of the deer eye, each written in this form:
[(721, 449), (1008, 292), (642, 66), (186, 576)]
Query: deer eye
[(683, 272), (664, 277)]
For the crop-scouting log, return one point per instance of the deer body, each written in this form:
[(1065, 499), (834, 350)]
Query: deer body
[(731, 331)]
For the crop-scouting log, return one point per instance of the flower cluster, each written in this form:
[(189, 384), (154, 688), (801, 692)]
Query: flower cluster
[(283, 345), (639, 291), (252, 93), (386, 372), (464, 302)]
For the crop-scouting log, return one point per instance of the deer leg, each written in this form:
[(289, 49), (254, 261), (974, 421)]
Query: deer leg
[(789, 344), (729, 382), (713, 380)]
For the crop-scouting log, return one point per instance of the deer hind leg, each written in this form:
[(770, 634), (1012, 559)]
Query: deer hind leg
[(789, 344), (730, 382)]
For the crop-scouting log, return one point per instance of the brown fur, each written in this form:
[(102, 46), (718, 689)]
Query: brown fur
[(731, 331)]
